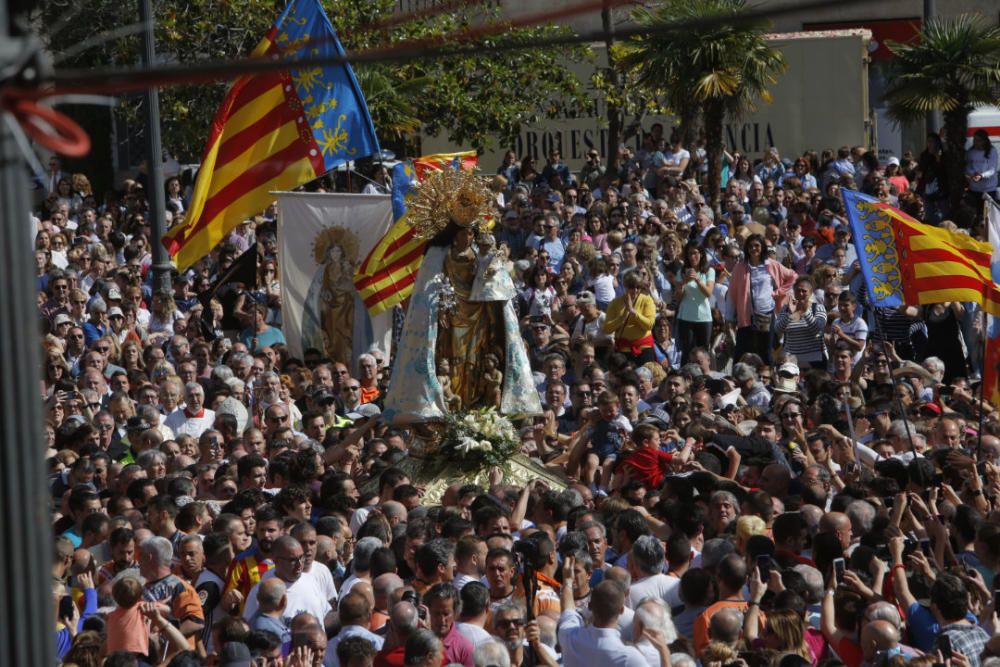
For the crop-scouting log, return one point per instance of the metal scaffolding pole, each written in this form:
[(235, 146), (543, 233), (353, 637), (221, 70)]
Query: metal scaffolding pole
[(154, 157), (26, 607)]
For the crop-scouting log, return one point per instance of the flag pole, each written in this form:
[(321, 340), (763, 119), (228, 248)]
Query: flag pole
[(892, 379), (984, 333)]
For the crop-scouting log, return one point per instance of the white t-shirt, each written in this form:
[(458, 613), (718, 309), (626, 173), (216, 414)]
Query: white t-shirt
[(474, 633), (305, 595), (856, 329), (657, 586)]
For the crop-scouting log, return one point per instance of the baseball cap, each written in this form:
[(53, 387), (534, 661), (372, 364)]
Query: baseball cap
[(62, 318), (98, 306), (115, 312), (137, 424), (235, 654), (893, 160), (788, 369), (114, 294), (364, 411)]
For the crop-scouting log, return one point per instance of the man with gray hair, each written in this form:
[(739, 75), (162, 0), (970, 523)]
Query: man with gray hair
[(155, 557), (862, 516), (194, 418), (652, 615), (271, 603), (645, 564), (363, 551), (751, 389), (368, 377), (491, 654)]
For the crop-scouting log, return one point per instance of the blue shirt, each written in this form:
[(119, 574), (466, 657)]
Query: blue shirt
[(270, 336)]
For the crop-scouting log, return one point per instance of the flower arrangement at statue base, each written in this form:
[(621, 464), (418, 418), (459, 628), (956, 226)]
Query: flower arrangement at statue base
[(477, 439)]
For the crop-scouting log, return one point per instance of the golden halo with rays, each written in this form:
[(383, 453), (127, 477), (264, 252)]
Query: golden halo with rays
[(449, 195), (331, 236)]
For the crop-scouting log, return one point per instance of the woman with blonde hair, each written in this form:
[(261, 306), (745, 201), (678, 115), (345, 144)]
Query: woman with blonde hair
[(55, 370), (78, 300), (746, 527)]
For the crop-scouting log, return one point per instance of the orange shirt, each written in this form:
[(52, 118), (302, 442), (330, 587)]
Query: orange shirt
[(369, 394), (701, 623)]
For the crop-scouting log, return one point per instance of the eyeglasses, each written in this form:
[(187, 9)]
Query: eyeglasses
[(103, 348), (352, 388), (94, 406), (105, 427), (509, 622), (293, 559), (791, 415), (278, 418), (584, 394)]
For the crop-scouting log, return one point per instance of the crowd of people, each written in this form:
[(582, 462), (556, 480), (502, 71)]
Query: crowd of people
[(760, 470)]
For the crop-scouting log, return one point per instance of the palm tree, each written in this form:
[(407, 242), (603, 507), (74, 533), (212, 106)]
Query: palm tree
[(717, 64), (954, 67)]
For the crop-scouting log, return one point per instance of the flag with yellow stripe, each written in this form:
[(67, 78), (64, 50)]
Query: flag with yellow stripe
[(275, 131), (385, 278), (905, 261)]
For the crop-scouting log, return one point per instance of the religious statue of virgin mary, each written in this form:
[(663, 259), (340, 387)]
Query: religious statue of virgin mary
[(460, 339)]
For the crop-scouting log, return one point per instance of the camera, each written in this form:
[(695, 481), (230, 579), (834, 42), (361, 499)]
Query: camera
[(413, 598)]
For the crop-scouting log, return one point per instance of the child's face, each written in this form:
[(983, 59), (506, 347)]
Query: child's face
[(608, 411)]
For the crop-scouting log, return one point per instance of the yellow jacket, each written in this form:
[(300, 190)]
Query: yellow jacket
[(630, 327)]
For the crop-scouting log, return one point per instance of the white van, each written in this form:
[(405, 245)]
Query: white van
[(984, 118)]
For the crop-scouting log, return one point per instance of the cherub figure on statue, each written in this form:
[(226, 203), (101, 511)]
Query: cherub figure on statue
[(492, 380), (453, 402)]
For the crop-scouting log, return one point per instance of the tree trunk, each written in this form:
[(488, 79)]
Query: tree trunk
[(956, 123), (616, 118), (687, 125), (714, 118)]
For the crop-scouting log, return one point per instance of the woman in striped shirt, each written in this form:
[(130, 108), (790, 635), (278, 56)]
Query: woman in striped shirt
[(802, 321)]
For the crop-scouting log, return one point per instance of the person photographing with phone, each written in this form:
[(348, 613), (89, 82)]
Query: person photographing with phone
[(802, 321), (693, 286)]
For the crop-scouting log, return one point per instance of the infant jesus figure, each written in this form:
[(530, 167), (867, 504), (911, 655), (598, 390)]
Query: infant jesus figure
[(491, 381)]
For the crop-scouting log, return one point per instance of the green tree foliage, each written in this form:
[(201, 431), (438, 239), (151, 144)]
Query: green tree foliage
[(954, 67), (470, 99), (719, 64)]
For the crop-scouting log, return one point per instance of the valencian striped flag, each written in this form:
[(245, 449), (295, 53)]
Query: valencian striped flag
[(275, 131), (907, 262), (385, 278), (991, 360)]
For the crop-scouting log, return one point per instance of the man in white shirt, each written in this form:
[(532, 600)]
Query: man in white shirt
[(645, 564), (470, 561), (305, 533), (194, 419), (475, 598), (600, 643), (303, 594)]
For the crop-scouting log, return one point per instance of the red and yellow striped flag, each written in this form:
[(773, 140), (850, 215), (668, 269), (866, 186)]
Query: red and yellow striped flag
[(385, 278), (938, 265), (275, 131)]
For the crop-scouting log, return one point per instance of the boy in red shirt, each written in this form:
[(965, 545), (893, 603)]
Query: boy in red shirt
[(647, 463)]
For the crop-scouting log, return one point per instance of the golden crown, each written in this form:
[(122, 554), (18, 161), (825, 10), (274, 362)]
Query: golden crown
[(450, 195)]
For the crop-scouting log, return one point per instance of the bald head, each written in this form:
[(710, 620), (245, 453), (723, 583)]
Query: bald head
[(326, 549), (384, 586), (403, 619), (271, 595), (364, 588), (878, 636), (725, 626), (392, 509), (839, 524)]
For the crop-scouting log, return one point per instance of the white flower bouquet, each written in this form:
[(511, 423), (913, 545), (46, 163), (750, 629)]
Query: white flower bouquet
[(478, 438)]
